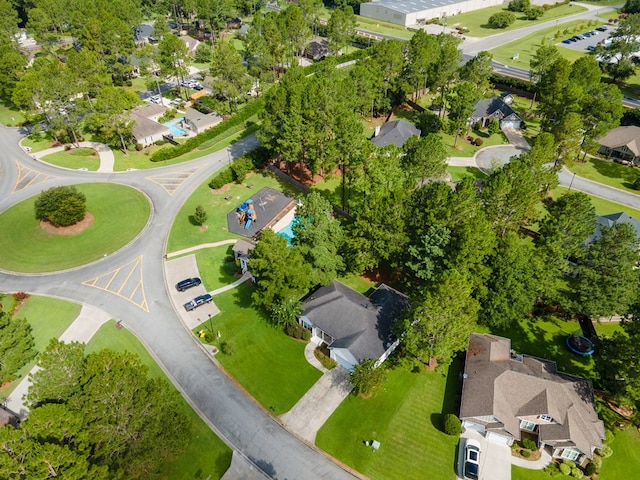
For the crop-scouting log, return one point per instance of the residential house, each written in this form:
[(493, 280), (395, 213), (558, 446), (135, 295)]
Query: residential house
[(505, 395), (241, 251), (495, 107), (353, 326), (7, 417), (317, 49), (610, 220), (191, 43), (199, 122), (396, 132), (147, 130), (622, 143)]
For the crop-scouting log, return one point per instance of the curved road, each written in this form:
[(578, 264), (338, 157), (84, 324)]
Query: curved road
[(236, 418)]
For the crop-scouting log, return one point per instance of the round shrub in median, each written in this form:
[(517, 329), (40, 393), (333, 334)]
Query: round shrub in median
[(61, 206)]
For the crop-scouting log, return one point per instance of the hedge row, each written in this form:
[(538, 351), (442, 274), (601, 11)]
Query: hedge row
[(167, 153), (504, 81)]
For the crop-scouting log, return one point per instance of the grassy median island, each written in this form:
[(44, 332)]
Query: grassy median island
[(75, 158), (120, 213)]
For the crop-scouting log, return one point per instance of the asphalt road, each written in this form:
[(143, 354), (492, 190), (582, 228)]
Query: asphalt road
[(236, 418)]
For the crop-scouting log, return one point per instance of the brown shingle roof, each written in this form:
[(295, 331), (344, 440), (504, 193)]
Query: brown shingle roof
[(512, 387), (623, 136)]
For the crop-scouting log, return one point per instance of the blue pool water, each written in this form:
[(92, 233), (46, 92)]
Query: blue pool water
[(174, 129), (287, 231)]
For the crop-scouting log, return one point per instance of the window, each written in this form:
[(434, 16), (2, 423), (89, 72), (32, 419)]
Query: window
[(546, 418), (527, 425), (570, 454)]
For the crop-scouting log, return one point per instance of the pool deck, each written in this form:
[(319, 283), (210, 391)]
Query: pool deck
[(271, 207)]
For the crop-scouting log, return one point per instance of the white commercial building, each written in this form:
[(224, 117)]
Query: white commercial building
[(413, 12)]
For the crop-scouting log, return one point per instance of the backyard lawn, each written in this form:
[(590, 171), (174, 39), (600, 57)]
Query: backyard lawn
[(477, 21), (206, 456), (120, 213), (76, 158), (185, 234), (267, 363), (404, 415), (609, 173), (49, 318), (215, 268)]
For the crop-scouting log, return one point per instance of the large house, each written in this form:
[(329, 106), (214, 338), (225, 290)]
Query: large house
[(147, 130), (505, 394), (495, 107), (396, 132), (609, 221), (354, 327), (622, 143), (199, 122)]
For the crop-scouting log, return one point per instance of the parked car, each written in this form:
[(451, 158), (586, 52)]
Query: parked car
[(155, 99), (602, 28), (471, 459), (177, 101), (573, 39), (580, 37), (567, 41), (187, 283), (198, 301), (591, 48)]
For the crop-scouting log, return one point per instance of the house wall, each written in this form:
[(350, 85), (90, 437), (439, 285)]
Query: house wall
[(385, 13), (343, 357), (150, 140)]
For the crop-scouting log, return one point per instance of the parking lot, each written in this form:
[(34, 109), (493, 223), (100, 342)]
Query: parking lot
[(589, 41)]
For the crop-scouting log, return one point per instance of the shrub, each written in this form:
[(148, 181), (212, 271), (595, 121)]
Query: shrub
[(297, 331), (534, 13), (605, 452), (451, 424), (529, 444), (519, 5), (597, 461), (139, 147), (568, 462), (478, 142), (365, 377), (526, 453), (200, 215), (227, 347), (240, 167), (428, 123), (19, 296), (62, 206), (327, 362), (223, 177), (565, 469), (131, 147), (609, 436), (590, 469), (577, 473), (501, 19), (494, 126)]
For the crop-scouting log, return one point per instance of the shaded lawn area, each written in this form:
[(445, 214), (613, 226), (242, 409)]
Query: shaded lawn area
[(185, 234), (609, 173), (267, 363), (602, 206), (49, 318), (458, 173), (330, 188), (464, 148), (359, 284), (206, 456), (607, 329), (477, 21), (527, 46), (404, 415), (216, 266), (10, 115), (77, 158), (37, 143)]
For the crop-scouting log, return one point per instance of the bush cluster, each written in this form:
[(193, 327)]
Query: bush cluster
[(502, 82), (223, 177), (529, 444), (62, 206), (297, 331), (501, 19), (451, 424), (240, 167), (167, 153)]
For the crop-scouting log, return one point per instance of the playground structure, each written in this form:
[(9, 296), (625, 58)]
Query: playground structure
[(580, 345), (246, 214)]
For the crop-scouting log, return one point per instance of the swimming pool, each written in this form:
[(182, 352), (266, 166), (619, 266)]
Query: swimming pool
[(174, 129), (287, 230)]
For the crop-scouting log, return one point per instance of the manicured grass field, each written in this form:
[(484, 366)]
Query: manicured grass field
[(477, 21), (215, 269), (526, 47), (49, 318), (185, 234), (75, 159), (10, 115), (464, 149), (609, 173), (37, 143), (359, 284), (458, 173), (404, 415), (120, 214), (267, 363), (602, 206), (206, 455), (386, 28)]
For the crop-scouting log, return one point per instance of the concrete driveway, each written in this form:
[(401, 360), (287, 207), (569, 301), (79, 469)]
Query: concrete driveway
[(494, 157), (495, 458)]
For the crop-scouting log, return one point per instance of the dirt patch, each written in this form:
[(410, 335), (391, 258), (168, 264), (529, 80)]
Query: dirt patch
[(74, 229), (224, 188), (203, 228)]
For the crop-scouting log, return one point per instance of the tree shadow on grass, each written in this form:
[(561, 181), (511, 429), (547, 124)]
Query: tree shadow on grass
[(612, 170)]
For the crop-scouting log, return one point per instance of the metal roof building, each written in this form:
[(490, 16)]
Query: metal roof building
[(413, 12)]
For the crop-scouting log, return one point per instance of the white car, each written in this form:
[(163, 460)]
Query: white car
[(155, 99), (471, 459)]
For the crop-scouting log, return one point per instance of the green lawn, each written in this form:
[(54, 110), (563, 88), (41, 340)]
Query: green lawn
[(477, 21), (49, 318), (464, 149), (608, 328), (185, 234), (267, 363), (359, 283), (77, 158), (216, 266), (330, 188), (37, 143), (527, 46), (609, 173), (609, 13), (458, 173), (625, 461), (206, 456), (378, 26), (602, 206), (120, 214), (404, 415), (10, 115)]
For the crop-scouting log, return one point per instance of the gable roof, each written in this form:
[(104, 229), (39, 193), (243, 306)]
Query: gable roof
[(360, 324), (149, 110), (145, 127), (628, 136), (493, 107), (242, 247), (509, 387), (202, 121), (396, 132), (609, 221)]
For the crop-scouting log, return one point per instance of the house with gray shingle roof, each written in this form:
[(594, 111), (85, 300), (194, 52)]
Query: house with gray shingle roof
[(622, 143), (147, 130), (609, 221), (505, 394), (396, 132), (498, 108), (354, 327)]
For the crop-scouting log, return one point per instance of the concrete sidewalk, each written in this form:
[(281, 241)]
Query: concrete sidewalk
[(318, 404), (82, 329)]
